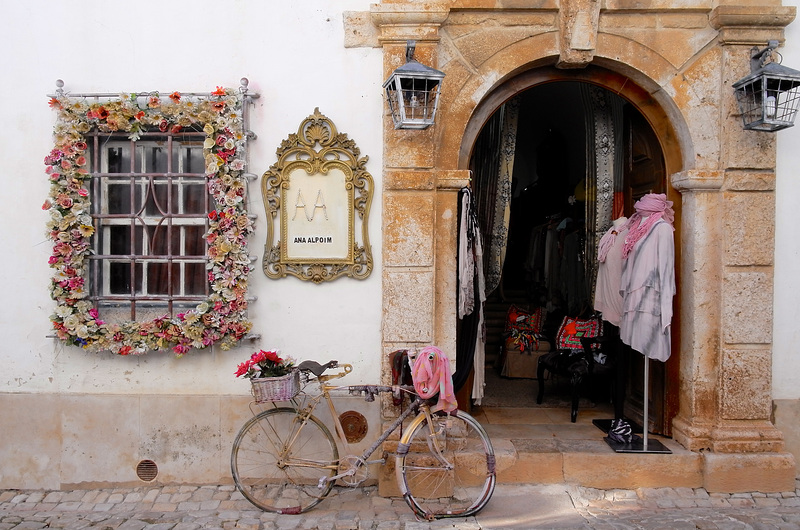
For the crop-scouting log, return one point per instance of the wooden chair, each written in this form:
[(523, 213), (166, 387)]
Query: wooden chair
[(577, 365)]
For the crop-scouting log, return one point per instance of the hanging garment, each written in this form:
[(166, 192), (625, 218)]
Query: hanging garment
[(607, 297), (647, 287), (472, 286), (466, 259), (479, 362), (573, 277)]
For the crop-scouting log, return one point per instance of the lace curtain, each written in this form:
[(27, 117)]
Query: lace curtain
[(603, 115), (499, 187)]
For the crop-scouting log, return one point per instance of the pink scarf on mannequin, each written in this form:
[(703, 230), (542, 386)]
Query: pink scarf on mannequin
[(610, 237), (431, 374), (655, 206)]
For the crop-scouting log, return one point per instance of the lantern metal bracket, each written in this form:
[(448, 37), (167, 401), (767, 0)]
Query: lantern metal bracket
[(760, 58), (411, 46)]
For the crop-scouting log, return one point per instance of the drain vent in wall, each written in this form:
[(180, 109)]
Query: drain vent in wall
[(147, 470)]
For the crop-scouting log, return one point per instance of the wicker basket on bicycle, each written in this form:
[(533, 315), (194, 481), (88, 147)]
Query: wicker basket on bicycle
[(281, 388)]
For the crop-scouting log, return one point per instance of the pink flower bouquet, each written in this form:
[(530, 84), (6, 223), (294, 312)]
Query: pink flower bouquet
[(265, 364)]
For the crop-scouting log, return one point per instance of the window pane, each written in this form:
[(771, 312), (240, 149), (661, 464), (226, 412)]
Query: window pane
[(157, 193), (193, 160), (157, 160), (194, 199), (158, 279), (119, 240), (196, 282), (119, 198), (119, 159), (194, 241), (159, 240), (119, 278)]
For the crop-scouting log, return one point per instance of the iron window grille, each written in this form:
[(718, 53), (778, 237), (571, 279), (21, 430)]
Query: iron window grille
[(150, 207)]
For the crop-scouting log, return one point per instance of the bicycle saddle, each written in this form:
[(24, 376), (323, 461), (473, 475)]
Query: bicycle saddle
[(315, 368)]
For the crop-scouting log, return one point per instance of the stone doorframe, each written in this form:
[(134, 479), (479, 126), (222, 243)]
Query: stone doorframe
[(679, 64)]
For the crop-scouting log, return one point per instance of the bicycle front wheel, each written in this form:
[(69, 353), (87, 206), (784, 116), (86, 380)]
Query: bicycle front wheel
[(280, 462), (446, 468)]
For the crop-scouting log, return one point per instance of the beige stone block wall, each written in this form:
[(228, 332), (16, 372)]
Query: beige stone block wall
[(764, 472), (746, 389), (408, 236), (749, 239), (86, 441), (747, 307)]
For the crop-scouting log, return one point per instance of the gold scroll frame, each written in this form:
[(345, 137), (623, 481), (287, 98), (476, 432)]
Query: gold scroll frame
[(321, 157)]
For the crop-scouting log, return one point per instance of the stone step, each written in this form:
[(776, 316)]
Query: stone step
[(594, 465)]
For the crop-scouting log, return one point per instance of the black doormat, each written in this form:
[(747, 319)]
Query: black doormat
[(637, 446)]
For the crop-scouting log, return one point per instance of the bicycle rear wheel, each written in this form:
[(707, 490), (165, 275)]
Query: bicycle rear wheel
[(447, 468), (278, 461)]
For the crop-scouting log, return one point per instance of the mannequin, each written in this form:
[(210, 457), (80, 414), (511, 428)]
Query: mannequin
[(608, 300), (647, 286)]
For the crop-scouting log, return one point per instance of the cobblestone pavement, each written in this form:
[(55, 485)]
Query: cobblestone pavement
[(521, 506)]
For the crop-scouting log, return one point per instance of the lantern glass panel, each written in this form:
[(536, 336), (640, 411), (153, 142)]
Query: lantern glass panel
[(419, 98)]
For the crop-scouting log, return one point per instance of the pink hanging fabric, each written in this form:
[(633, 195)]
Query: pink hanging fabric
[(431, 374), (652, 207)]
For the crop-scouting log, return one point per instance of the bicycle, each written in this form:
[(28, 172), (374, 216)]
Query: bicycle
[(285, 459)]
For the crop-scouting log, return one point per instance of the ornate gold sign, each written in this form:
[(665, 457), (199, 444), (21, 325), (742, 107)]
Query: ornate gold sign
[(318, 194)]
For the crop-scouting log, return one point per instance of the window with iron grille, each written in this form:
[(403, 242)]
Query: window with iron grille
[(149, 221)]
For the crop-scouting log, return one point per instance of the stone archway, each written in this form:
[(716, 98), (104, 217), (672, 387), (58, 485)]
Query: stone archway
[(661, 125), (676, 66)]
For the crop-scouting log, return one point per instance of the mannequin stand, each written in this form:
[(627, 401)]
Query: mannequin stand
[(644, 445)]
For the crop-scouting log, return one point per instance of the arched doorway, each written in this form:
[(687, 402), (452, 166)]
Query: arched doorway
[(580, 155)]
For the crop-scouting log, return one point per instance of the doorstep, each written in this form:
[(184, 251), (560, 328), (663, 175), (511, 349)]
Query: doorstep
[(541, 446)]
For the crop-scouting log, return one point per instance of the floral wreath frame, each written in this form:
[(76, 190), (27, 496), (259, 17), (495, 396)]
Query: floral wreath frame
[(220, 318)]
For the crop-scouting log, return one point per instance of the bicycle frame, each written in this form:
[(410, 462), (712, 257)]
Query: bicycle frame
[(304, 411)]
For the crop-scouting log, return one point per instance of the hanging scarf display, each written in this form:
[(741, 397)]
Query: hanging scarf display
[(609, 238), (651, 208), (431, 375)]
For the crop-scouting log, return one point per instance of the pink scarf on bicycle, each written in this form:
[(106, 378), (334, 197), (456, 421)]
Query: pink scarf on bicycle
[(655, 206), (431, 374)]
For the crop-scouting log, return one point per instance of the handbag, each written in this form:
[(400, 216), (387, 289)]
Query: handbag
[(573, 329)]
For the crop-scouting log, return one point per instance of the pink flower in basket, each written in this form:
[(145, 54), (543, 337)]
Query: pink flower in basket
[(265, 364)]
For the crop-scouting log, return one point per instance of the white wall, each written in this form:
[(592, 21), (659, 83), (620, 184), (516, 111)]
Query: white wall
[(786, 331), (294, 56)]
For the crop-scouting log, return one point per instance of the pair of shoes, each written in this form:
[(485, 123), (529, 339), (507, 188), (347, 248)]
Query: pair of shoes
[(621, 432)]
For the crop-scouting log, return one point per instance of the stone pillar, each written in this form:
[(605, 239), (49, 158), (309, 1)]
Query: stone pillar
[(700, 306), (419, 201), (727, 282)]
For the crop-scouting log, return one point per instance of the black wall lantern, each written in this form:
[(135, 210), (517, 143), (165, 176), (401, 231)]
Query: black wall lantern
[(768, 98), (413, 93)]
